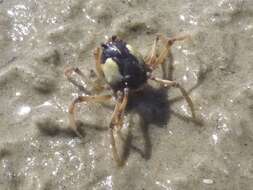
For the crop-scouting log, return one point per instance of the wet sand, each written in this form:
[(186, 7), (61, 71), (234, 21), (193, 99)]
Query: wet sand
[(167, 150)]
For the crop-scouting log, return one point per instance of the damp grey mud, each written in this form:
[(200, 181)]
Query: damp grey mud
[(39, 39)]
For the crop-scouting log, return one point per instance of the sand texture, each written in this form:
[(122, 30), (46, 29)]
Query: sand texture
[(166, 148)]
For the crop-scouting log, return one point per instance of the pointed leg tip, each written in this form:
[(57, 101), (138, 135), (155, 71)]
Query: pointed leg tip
[(78, 134), (120, 164), (74, 129), (197, 120)]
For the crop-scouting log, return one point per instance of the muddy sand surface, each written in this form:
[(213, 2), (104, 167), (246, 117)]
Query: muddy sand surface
[(167, 150)]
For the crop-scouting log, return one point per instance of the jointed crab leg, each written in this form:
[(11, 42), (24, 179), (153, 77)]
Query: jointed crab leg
[(150, 60), (171, 40), (118, 113), (168, 83), (97, 85), (117, 122), (68, 72), (124, 103), (115, 154), (115, 118), (97, 55), (153, 61), (80, 99)]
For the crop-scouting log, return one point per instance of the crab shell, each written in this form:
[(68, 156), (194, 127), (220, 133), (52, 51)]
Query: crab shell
[(123, 66)]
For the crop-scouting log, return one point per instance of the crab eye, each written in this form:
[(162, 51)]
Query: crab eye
[(104, 46), (114, 37)]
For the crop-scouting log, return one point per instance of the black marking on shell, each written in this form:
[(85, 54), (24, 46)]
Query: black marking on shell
[(134, 72)]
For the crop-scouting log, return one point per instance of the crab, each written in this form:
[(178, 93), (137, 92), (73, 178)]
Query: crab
[(125, 71)]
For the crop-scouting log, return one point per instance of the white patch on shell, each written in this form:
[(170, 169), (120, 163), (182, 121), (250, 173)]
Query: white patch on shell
[(111, 71), (135, 53)]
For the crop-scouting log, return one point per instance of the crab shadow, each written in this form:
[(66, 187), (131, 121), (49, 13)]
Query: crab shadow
[(152, 105), (153, 108)]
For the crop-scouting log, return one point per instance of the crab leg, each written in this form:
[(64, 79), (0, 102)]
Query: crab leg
[(97, 56), (168, 83), (150, 60), (167, 49), (117, 122), (123, 105), (68, 72), (80, 99)]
